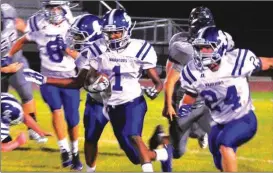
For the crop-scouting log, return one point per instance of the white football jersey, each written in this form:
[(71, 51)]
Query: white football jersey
[(44, 34), (226, 91), (124, 68)]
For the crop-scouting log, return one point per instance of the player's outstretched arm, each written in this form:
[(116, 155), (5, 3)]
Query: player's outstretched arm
[(11, 68), (153, 92), (267, 63), (20, 25), (169, 84), (39, 79), (20, 140)]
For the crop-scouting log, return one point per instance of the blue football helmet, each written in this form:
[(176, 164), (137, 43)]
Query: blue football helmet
[(85, 30), (11, 110), (210, 38), (117, 20), (53, 15)]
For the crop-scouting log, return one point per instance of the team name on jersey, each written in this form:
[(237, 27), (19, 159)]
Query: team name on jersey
[(214, 84)]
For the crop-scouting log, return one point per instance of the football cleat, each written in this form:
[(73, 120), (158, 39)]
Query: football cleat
[(166, 165), (156, 138), (66, 158), (203, 141), (76, 163)]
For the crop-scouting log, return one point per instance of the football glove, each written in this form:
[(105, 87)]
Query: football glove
[(5, 61), (151, 92), (184, 110), (34, 76), (60, 42)]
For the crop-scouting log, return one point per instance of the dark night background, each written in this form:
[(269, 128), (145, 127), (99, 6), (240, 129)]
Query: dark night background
[(249, 23)]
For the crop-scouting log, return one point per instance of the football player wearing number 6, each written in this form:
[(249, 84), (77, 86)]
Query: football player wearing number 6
[(220, 78), (47, 29)]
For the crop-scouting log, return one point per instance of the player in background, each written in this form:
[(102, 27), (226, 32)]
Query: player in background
[(9, 34), (83, 32), (12, 114), (220, 78), (122, 59), (43, 29)]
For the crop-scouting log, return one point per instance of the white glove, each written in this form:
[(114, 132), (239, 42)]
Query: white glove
[(34, 76), (101, 84), (151, 92)]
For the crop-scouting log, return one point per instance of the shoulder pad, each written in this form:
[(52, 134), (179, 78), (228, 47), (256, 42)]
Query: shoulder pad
[(8, 11), (181, 36), (36, 22)]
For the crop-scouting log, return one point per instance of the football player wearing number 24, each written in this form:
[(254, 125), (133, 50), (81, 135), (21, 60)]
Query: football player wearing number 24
[(220, 78), (47, 29)]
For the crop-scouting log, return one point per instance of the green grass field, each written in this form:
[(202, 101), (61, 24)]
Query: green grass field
[(255, 156)]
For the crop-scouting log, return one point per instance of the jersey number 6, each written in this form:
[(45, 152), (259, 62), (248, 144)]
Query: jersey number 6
[(55, 54)]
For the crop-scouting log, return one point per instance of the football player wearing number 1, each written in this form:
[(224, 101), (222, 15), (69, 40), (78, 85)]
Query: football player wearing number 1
[(220, 78), (47, 29)]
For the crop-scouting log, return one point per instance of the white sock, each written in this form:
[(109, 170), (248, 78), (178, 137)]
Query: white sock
[(147, 167), (89, 169), (75, 146), (161, 154), (63, 145)]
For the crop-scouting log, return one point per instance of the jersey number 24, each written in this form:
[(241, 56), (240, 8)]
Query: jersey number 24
[(231, 98)]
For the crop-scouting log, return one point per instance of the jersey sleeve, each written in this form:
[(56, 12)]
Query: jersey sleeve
[(246, 63), (187, 79), (147, 55), (83, 60), (180, 52)]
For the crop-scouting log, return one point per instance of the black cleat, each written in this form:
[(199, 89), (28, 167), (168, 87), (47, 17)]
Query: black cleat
[(156, 138)]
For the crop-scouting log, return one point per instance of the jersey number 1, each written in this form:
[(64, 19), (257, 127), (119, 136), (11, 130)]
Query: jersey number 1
[(231, 98), (117, 86)]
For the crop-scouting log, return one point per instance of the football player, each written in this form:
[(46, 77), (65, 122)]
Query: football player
[(83, 32), (9, 34), (12, 114), (220, 78), (123, 59), (180, 53), (43, 29)]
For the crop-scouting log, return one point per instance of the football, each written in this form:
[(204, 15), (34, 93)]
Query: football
[(96, 82)]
